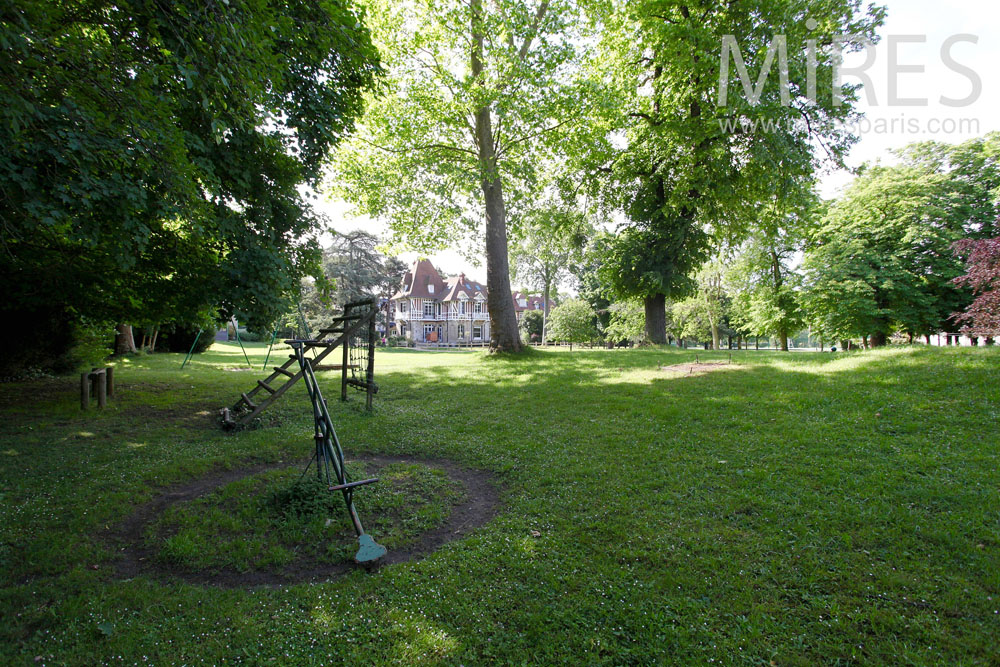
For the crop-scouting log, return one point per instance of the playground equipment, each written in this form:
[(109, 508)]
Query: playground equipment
[(236, 328), (329, 456), (353, 331)]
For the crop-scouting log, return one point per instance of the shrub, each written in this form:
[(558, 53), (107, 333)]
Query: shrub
[(252, 337), (92, 345), (179, 337), (573, 322)]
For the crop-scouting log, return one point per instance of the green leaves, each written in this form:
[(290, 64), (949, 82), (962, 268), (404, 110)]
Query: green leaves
[(154, 151), (415, 162), (882, 259), (573, 322), (693, 168)]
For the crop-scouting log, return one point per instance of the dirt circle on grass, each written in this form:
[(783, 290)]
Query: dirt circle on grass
[(134, 557), (698, 368)]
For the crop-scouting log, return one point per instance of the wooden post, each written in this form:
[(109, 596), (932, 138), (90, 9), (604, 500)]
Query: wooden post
[(110, 370), (102, 388), (347, 360), (84, 391), (370, 371)]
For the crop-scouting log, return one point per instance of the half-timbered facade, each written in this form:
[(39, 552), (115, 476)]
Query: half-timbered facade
[(432, 310), (435, 310)]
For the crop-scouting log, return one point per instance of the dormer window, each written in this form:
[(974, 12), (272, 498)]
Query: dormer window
[(430, 289), (523, 303)]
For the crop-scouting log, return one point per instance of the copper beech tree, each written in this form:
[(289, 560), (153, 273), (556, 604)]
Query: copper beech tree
[(982, 276)]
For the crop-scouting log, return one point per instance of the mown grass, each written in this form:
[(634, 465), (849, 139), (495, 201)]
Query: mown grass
[(795, 509)]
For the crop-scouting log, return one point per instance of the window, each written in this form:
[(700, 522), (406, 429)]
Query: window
[(461, 307), (477, 332), (478, 307), (402, 306), (430, 288), (523, 303), (461, 331), (428, 308)]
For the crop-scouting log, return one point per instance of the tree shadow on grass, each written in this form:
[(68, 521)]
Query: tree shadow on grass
[(792, 510)]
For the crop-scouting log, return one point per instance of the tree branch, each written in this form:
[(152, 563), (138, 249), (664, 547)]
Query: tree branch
[(421, 147), (533, 30), (533, 135)]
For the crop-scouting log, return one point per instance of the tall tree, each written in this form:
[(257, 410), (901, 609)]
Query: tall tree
[(154, 151), (982, 276), (590, 285), (550, 238), (881, 260), (699, 158), (761, 279), (354, 268), (477, 94), (711, 295)]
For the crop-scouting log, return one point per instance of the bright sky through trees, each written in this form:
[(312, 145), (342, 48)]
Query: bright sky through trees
[(911, 123)]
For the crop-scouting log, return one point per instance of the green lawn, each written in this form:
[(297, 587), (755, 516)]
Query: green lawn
[(794, 509)]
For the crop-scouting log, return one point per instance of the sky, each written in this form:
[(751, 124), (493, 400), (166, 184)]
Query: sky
[(888, 123)]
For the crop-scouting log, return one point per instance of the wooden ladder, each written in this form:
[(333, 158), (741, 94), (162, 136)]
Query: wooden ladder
[(266, 392)]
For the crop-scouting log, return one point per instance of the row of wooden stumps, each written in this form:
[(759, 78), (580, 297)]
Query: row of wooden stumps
[(99, 383)]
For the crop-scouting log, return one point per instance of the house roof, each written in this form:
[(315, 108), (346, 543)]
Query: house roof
[(422, 274), (417, 282), (532, 302), (459, 284)]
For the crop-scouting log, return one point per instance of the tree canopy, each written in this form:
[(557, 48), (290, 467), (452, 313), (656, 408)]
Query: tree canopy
[(153, 152), (982, 276), (547, 242), (882, 259), (573, 322), (699, 159), (479, 96)]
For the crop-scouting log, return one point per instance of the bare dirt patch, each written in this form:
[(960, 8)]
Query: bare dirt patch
[(698, 368), (135, 558)]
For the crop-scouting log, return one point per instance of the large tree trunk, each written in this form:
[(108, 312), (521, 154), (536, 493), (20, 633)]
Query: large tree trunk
[(504, 336), (124, 341), (656, 318), (715, 335), (877, 339), (783, 338)]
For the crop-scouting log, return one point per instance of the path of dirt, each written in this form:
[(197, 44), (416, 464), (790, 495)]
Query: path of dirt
[(697, 368), (135, 558)]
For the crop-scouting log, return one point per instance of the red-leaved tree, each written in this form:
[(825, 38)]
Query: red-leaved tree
[(982, 275)]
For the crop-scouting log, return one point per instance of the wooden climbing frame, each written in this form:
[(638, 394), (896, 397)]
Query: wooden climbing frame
[(353, 329)]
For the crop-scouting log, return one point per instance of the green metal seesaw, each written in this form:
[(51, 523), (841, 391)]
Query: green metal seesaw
[(329, 457)]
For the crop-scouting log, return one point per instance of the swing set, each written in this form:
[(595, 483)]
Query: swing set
[(197, 337)]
